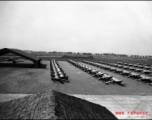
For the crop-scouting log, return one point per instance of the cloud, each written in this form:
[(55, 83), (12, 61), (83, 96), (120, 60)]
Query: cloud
[(78, 26)]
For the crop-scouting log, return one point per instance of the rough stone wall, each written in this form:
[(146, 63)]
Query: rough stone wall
[(52, 105), (69, 107), (39, 106)]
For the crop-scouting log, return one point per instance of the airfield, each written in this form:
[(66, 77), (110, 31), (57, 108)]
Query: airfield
[(17, 82)]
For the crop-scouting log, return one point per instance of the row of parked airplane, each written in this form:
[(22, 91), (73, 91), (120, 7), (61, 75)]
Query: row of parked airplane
[(134, 75), (138, 65), (140, 69), (57, 73), (95, 73)]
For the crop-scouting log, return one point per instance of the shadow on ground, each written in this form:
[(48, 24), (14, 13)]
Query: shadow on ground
[(21, 65)]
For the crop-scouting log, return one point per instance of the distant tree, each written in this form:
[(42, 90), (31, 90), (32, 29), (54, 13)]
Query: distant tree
[(87, 53), (69, 52)]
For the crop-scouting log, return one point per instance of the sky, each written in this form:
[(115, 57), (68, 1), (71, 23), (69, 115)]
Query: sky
[(121, 27)]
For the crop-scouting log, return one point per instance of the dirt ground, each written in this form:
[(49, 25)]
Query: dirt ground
[(24, 80), (31, 81)]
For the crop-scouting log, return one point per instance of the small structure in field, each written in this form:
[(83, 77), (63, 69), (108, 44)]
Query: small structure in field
[(78, 56)]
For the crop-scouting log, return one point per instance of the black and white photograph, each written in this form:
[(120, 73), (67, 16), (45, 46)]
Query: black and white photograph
[(76, 60)]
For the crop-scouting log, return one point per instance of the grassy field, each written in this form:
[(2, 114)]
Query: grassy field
[(115, 60), (126, 59), (24, 80), (104, 58)]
